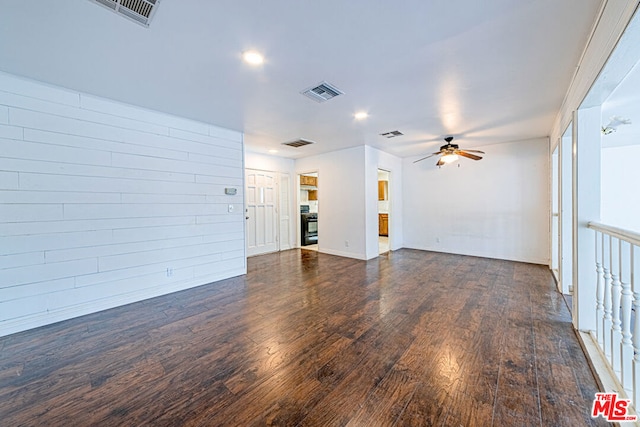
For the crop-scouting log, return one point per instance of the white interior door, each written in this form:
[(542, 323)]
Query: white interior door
[(262, 230)]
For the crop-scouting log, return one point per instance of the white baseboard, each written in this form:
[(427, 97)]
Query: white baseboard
[(342, 254)]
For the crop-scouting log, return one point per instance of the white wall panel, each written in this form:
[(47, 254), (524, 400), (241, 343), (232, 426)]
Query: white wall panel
[(30, 212), (39, 288), (155, 163), (208, 140), (52, 153), (11, 132), (33, 197), (36, 273), (49, 241), (12, 84), (8, 181), (118, 248), (93, 103), (35, 104), (103, 204), (4, 115), (49, 182), (39, 228), (20, 260), (50, 169), (103, 144), (227, 134)]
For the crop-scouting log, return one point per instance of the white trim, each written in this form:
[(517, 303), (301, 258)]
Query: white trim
[(599, 364), (343, 254)]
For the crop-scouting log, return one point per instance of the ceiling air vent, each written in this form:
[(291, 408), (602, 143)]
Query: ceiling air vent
[(140, 11), (392, 134), (322, 92), (298, 143)]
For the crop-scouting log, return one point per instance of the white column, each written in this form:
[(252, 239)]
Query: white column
[(600, 291), (606, 275), (566, 215), (586, 207), (626, 301), (616, 330), (635, 287)]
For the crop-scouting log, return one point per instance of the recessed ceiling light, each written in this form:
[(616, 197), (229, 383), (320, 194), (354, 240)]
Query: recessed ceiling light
[(360, 115), (252, 57), (272, 151)]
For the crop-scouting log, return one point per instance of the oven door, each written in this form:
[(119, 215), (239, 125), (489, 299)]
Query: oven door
[(309, 231)]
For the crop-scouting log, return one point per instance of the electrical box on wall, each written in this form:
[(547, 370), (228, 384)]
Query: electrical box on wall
[(230, 191)]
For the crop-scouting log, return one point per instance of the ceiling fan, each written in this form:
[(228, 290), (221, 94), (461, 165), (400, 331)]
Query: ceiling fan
[(450, 153)]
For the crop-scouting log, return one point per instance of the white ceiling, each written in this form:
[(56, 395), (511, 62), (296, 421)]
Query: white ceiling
[(487, 71)]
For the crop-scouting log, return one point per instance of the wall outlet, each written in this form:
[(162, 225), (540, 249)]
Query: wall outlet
[(169, 271), (230, 209), (346, 243), (437, 240)]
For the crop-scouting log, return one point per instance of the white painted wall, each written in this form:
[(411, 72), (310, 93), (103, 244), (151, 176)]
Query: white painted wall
[(98, 199), (341, 200), (376, 159), (497, 207), (620, 191), (253, 160)]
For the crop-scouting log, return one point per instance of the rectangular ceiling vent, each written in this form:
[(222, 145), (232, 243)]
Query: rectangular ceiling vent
[(298, 143), (322, 92), (392, 134), (140, 11)]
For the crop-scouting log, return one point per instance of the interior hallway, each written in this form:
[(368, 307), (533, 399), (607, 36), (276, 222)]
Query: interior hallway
[(305, 338)]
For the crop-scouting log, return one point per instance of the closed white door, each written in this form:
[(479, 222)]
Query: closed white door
[(262, 215)]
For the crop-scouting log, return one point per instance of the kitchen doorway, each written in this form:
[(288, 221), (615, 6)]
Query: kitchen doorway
[(308, 196), (383, 210)]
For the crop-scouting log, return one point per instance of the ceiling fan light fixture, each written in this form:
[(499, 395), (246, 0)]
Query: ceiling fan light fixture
[(449, 158), (253, 57)]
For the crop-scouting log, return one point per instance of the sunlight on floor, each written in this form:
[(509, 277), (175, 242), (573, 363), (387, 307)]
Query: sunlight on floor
[(383, 244)]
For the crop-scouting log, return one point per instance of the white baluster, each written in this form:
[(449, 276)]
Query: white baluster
[(606, 324), (599, 291), (626, 361), (616, 330), (635, 286)]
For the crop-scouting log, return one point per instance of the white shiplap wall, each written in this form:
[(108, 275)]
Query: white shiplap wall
[(103, 204)]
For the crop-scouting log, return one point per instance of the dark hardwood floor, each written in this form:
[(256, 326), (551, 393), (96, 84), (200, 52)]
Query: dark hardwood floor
[(409, 339)]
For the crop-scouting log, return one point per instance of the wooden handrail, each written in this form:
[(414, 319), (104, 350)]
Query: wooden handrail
[(619, 233)]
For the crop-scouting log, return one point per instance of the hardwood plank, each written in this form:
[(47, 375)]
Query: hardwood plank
[(308, 339)]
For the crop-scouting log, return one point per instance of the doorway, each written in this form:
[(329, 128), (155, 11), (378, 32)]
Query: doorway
[(383, 211), (309, 232)]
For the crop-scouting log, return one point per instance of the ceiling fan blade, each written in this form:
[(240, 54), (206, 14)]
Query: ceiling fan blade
[(468, 155), (430, 155), (474, 151)]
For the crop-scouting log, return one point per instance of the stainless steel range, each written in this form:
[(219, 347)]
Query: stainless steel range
[(309, 226)]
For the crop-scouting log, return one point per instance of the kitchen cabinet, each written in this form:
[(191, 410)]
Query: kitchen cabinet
[(309, 180), (313, 194), (383, 224), (383, 188)]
